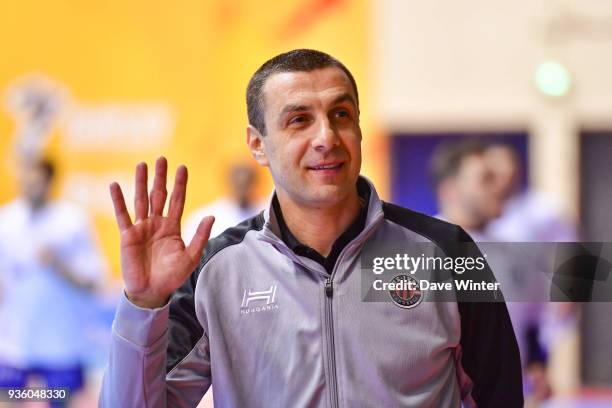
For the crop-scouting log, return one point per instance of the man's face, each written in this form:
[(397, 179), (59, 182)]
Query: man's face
[(242, 183), (475, 189), (35, 184), (313, 140)]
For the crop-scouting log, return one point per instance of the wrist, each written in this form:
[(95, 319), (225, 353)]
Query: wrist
[(147, 301)]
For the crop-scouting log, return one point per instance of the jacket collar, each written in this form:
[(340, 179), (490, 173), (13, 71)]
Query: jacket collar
[(271, 230)]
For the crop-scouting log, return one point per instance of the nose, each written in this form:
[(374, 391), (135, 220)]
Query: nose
[(326, 137)]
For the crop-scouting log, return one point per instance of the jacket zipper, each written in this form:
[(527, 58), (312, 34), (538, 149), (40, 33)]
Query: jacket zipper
[(329, 323)]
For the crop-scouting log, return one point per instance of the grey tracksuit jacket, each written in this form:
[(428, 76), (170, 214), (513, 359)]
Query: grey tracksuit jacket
[(268, 328)]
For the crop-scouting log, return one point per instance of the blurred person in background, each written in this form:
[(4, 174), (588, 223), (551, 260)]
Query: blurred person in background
[(49, 265), (469, 195), (229, 211), (529, 216)]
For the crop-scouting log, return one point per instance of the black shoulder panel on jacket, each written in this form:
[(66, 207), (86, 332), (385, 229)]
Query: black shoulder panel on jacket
[(438, 231), (184, 330), (231, 236)]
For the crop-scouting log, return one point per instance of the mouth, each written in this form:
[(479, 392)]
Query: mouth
[(326, 167)]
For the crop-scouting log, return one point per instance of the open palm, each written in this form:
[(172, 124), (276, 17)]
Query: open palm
[(154, 258)]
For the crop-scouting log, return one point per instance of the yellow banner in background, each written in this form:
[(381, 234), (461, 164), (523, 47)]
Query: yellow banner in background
[(102, 85)]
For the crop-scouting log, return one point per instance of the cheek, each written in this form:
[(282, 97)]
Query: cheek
[(286, 156), (465, 190), (353, 146), (352, 137), (294, 153)]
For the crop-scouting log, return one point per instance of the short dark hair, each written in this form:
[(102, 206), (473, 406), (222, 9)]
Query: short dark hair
[(448, 158), (301, 60)]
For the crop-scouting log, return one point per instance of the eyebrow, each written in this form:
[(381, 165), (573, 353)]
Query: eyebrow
[(344, 98), (294, 108), (300, 108)]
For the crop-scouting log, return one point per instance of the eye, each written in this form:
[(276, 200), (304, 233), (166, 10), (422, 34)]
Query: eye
[(342, 114), (298, 120)]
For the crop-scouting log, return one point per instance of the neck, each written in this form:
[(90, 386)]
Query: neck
[(243, 202), (36, 205), (319, 227)]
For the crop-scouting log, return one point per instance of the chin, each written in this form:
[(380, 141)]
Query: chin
[(327, 195)]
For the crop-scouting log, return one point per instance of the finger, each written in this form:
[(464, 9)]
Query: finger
[(199, 240), (141, 200), (177, 200), (121, 213), (159, 192)]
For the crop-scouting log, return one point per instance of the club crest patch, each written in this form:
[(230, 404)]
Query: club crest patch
[(406, 293)]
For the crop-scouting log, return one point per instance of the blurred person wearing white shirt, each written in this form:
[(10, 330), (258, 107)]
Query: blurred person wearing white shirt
[(49, 265), (231, 210)]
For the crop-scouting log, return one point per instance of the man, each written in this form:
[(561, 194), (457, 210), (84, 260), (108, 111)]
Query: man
[(49, 263), (229, 211), (272, 313)]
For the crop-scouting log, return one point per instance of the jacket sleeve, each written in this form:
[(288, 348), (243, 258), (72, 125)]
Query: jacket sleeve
[(158, 357), (490, 356), (489, 352)]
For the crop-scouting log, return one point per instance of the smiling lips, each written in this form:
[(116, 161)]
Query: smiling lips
[(324, 167)]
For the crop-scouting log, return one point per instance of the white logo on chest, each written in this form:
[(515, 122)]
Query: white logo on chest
[(258, 301)]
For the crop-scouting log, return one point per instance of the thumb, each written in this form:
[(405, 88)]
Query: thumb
[(199, 240)]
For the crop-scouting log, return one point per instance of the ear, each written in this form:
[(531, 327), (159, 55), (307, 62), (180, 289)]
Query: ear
[(256, 146)]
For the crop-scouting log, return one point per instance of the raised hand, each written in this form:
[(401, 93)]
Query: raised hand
[(154, 258)]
